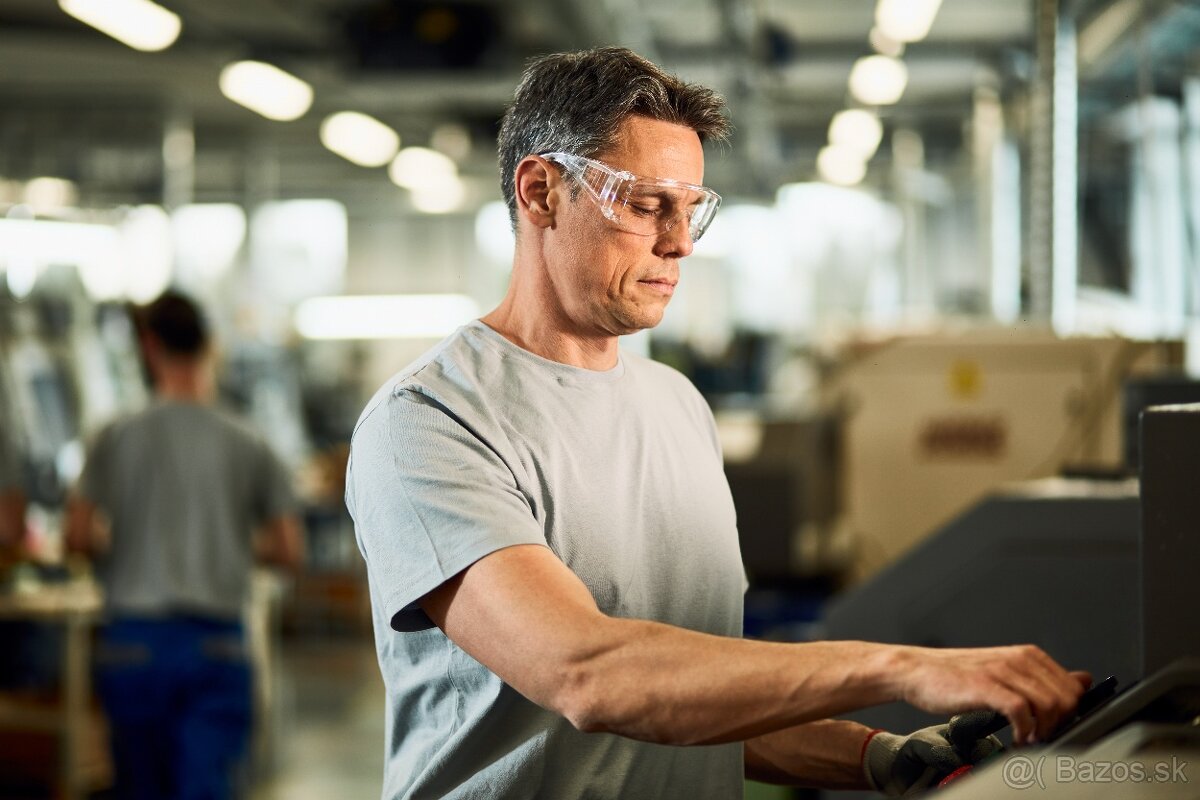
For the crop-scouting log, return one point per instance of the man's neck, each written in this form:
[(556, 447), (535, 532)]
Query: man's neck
[(543, 335), (185, 383)]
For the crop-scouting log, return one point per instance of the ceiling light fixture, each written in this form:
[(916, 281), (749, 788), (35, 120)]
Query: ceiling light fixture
[(266, 89), (48, 195), (414, 316), (420, 167), (878, 80), (140, 24), (359, 138), (858, 129), (841, 165), (884, 44), (440, 198), (906, 20)]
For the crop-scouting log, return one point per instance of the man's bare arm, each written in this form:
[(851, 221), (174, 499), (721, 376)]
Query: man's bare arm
[(84, 531), (522, 613), (825, 754), (12, 520), (280, 543)]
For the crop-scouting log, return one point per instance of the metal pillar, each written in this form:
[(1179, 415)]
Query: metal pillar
[(908, 166), (1053, 202), (998, 199)]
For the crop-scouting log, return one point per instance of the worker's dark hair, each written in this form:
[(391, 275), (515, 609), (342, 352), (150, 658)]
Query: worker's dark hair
[(176, 322), (576, 102)]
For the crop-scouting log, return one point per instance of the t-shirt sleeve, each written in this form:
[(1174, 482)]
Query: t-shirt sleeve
[(429, 498), (94, 479)]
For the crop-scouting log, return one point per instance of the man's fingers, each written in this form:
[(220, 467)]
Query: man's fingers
[(1016, 709), (1040, 700), (1051, 690), (1021, 682), (1084, 678)]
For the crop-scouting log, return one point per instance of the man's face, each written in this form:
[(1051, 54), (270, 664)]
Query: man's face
[(609, 281)]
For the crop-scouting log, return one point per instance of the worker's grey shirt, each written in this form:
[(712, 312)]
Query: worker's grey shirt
[(481, 445), (184, 487)]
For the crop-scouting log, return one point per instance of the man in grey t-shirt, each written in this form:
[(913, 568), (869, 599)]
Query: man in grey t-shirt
[(550, 540), (175, 504)]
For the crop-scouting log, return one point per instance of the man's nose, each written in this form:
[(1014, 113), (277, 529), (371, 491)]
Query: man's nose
[(675, 242)]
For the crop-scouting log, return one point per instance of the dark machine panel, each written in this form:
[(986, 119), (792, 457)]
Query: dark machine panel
[(1053, 563)]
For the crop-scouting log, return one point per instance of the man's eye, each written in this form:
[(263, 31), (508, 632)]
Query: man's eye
[(646, 211)]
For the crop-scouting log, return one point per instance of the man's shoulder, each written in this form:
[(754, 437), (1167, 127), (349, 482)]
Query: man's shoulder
[(455, 367), (233, 424), (660, 376)]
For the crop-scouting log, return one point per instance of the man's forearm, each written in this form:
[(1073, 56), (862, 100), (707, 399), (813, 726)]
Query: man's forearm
[(666, 684), (281, 543), (825, 754), (521, 613), (12, 519)]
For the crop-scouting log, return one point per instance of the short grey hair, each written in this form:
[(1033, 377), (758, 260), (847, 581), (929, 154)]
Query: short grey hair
[(576, 102)]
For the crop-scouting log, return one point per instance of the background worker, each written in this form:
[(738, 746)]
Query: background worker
[(175, 504)]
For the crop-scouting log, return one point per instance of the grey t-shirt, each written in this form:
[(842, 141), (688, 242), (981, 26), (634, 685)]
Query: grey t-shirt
[(184, 487), (480, 445)]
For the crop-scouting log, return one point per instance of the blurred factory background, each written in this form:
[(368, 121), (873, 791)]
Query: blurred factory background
[(959, 251)]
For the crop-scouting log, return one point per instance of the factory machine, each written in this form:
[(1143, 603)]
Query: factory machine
[(931, 424), (1100, 574)]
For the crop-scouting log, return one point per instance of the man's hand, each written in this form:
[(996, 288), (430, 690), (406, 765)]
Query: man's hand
[(898, 765), (1021, 682)]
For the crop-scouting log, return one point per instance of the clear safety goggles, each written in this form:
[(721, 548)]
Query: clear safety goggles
[(645, 206)]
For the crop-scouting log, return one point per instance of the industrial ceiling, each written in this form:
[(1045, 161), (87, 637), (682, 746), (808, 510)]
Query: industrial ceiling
[(77, 104)]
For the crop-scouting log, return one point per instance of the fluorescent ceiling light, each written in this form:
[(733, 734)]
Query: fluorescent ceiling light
[(878, 80), (420, 167), (47, 195), (841, 165), (906, 20), (858, 129), (452, 139), (359, 138), (266, 89), (141, 24), (440, 198), (414, 316), (884, 44)]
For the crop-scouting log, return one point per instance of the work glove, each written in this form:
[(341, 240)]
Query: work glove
[(970, 734), (907, 765)]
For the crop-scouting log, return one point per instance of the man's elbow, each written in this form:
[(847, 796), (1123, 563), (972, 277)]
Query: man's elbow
[(581, 706), (592, 714), (579, 688), (593, 701)]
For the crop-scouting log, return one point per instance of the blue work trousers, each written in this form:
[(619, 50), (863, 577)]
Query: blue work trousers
[(177, 692)]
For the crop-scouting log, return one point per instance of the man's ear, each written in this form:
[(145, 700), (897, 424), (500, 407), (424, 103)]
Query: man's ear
[(536, 184)]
